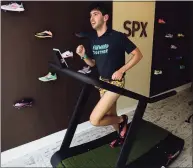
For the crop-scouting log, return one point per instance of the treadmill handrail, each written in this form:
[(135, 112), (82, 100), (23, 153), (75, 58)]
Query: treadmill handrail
[(111, 87), (99, 83)]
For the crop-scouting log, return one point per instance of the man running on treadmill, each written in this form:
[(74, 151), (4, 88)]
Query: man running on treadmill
[(108, 48)]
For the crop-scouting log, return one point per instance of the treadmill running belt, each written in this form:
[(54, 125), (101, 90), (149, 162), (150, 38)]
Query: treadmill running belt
[(149, 135)]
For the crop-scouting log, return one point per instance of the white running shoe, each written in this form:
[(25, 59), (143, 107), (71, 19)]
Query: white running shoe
[(157, 72), (13, 7), (67, 54), (44, 34), (85, 70), (169, 35), (173, 47)]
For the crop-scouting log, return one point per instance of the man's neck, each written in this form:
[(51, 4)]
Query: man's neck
[(102, 30)]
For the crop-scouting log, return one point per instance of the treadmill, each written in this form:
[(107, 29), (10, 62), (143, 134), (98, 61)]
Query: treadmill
[(146, 145)]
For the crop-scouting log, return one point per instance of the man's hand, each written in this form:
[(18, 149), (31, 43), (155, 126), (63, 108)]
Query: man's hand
[(137, 56), (80, 50), (117, 75)]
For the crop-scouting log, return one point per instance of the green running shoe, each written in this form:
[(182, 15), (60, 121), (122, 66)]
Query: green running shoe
[(48, 77), (182, 67)]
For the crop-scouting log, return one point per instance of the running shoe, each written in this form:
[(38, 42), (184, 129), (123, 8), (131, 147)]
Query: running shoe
[(48, 77)]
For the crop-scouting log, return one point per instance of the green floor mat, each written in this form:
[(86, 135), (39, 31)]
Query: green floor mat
[(102, 157)]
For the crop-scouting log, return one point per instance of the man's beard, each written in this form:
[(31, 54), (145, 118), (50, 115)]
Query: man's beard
[(99, 26)]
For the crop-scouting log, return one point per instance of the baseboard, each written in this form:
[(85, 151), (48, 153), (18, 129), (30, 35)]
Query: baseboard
[(183, 87), (22, 150), (178, 89)]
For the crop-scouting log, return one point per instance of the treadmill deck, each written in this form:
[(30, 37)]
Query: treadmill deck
[(104, 156)]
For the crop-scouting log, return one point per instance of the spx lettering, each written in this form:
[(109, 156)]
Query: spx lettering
[(135, 26)]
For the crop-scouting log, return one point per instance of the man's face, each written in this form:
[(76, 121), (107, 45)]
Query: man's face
[(96, 19)]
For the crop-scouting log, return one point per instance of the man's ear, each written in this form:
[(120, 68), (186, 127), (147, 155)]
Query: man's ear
[(106, 17)]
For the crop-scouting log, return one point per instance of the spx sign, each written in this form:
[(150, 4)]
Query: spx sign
[(134, 26)]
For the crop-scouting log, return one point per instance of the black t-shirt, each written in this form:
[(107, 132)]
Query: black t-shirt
[(109, 50)]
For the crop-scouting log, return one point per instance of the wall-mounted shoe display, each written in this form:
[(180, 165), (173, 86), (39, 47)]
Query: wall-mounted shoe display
[(48, 77), (169, 35), (44, 34), (180, 35), (161, 21), (173, 47), (179, 57), (67, 54), (15, 6), (25, 102), (157, 72), (85, 70), (182, 67)]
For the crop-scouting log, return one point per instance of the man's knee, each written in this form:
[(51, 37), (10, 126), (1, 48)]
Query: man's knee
[(94, 121)]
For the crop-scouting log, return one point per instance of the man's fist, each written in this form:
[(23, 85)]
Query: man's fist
[(80, 50), (118, 75)]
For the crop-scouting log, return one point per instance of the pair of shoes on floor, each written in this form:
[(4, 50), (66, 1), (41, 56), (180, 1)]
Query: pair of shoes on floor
[(16, 7), (48, 77), (122, 133)]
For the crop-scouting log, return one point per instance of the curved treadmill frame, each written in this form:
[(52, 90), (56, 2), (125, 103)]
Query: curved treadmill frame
[(134, 125)]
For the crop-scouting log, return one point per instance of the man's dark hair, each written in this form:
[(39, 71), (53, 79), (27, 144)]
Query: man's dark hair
[(100, 6)]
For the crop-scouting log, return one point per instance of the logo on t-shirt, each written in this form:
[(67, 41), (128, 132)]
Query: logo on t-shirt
[(100, 49)]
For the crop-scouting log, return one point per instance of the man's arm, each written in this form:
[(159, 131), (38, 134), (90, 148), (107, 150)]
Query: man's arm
[(89, 61), (80, 50), (137, 56)]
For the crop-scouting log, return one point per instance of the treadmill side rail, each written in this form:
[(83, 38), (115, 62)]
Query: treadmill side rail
[(72, 125)]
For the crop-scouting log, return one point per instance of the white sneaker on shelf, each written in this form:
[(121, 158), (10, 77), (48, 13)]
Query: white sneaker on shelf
[(85, 70), (67, 54), (13, 7), (173, 47), (157, 72), (169, 35)]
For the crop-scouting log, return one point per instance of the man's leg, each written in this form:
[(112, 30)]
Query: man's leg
[(104, 114), (99, 115), (113, 112)]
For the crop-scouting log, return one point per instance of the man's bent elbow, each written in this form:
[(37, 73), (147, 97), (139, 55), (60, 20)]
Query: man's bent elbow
[(93, 63), (140, 56)]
